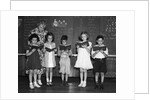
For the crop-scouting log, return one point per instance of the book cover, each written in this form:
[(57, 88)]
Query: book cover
[(99, 48), (80, 44), (62, 47), (49, 50)]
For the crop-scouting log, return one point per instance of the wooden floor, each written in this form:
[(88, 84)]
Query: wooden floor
[(23, 86)]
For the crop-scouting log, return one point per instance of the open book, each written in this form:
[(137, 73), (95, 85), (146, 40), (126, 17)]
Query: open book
[(49, 50), (34, 47), (67, 47), (80, 44), (95, 48)]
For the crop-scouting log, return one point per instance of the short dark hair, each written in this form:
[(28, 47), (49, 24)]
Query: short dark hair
[(49, 34), (84, 32), (64, 37), (98, 37), (33, 36)]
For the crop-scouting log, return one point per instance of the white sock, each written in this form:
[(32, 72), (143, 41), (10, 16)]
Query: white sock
[(50, 80)]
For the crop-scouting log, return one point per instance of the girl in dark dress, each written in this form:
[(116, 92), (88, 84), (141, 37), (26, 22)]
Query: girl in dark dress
[(99, 56), (33, 63), (40, 31)]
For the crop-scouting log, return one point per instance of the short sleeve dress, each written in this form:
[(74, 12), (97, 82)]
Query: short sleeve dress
[(83, 58), (33, 61), (49, 57), (65, 63)]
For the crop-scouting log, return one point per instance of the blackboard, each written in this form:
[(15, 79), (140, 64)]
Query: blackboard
[(94, 25)]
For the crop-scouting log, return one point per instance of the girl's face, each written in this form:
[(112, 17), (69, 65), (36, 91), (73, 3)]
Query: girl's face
[(84, 37), (49, 38), (64, 42), (100, 41), (34, 40)]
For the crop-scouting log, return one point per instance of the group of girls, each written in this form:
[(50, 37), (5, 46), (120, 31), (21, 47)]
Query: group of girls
[(45, 57)]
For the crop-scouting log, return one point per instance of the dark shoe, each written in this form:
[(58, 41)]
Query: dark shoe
[(96, 86), (47, 83), (66, 84), (62, 84), (101, 86)]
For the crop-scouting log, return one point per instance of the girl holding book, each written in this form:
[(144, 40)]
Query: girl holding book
[(83, 59), (99, 54), (64, 51), (49, 57), (33, 62), (40, 31)]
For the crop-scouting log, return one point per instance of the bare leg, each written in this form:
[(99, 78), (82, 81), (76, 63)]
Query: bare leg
[(35, 75), (102, 77), (35, 79), (81, 74), (30, 76), (96, 80), (62, 77), (39, 78), (47, 72), (85, 78), (85, 75), (30, 79), (51, 74), (102, 80), (66, 79), (96, 77), (81, 77)]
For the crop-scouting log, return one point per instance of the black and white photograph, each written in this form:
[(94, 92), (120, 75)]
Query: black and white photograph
[(67, 54)]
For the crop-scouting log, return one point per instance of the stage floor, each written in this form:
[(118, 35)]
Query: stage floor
[(109, 86)]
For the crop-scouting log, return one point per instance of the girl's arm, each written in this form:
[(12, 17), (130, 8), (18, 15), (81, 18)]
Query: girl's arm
[(55, 50), (40, 52), (94, 53), (88, 48), (70, 52), (77, 48), (44, 49), (29, 53), (105, 53), (59, 52)]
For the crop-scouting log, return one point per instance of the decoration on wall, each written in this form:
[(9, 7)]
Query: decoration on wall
[(110, 24), (59, 23)]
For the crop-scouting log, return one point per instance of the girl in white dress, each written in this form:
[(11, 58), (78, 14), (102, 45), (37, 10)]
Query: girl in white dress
[(49, 57), (83, 59)]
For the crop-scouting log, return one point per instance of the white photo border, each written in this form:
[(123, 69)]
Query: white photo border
[(124, 40)]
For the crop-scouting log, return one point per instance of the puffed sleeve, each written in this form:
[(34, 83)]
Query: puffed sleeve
[(106, 51), (90, 45)]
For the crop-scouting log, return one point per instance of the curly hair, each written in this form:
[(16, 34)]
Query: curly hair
[(33, 36), (64, 37)]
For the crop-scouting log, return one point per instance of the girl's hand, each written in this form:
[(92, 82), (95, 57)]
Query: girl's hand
[(55, 50), (62, 51), (77, 46), (33, 50), (97, 51), (84, 46), (104, 53), (87, 49), (101, 51)]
